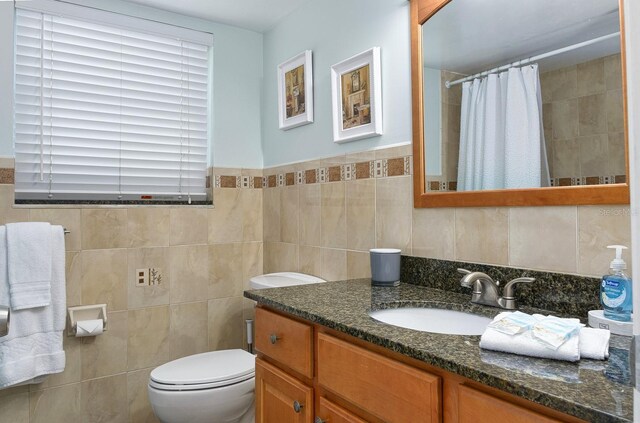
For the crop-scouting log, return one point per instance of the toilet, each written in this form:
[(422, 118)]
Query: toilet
[(217, 386)]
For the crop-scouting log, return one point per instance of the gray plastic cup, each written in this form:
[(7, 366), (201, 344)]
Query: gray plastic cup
[(385, 266)]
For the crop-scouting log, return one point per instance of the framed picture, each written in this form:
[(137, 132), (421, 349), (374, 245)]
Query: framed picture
[(357, 97), (295, 91)]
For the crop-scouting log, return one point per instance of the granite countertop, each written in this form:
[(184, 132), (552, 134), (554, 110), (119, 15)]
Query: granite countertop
[(591, 390)]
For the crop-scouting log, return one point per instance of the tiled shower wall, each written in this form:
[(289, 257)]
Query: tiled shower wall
[(205, 255), (326, 228)]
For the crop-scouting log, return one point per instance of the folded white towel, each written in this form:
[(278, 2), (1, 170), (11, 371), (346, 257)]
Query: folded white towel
[(29, 264), (33, 346), (526, 344), (594, 343)]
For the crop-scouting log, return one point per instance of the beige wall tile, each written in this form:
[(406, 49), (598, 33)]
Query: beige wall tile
[(146, 258), (289, 212), (252, 214), (15, 408), (105, 400), (148, 226), (394, 204), (613, 72), (482, 235), (590, 77), (104, 278), (60, 404), (225, 270), (543, 238), (361, 214), (593, 153), (139, 407), (9, 214), (310, 215), (566, 158), (360, 156), (271, 208), (564, 119), (225, 323), (104, 228), (189, 225), (280, 257), (561, 84), (358, 265), (599, 226), (617, 158), (334, 264), (333, 214), (433, 233), (189, 271), (225, 219), (396, 151), (592, 115), (310, 260), (106, 354), (68, 218), (73, 273), (252, 261), (148, 344), (615, 111), (188, 329)]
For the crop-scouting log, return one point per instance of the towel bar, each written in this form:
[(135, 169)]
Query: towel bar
[(66, 231)]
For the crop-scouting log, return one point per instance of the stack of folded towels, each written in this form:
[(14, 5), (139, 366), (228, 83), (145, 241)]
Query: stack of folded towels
[(545, 337)]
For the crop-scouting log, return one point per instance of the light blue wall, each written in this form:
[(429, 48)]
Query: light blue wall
[(336, 30), (237, 82)]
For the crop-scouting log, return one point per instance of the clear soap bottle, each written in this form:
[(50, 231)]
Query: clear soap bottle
[(616, 289)]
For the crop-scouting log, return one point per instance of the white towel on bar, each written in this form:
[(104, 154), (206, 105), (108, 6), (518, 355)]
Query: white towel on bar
[(29, 264), (589, 343), (33, 346)]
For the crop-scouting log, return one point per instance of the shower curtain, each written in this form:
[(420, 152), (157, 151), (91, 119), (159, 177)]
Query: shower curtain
[(501, 134)]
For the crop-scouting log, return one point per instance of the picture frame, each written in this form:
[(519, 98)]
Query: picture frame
[(295, 91), (357, 97)]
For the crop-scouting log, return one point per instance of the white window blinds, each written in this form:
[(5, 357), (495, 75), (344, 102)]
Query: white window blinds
[(103, 112)]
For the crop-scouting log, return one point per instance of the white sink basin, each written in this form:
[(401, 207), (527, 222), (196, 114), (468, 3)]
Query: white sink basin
[(433, 320)]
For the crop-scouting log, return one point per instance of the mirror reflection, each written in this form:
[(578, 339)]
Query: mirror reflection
[(523, 94)]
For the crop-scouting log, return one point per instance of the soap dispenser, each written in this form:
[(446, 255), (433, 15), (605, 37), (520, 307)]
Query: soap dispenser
[(615, 289)]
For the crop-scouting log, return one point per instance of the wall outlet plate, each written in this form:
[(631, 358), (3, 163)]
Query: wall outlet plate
[(142, 277)]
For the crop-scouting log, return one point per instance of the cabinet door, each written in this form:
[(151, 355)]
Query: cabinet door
[(477, 407), (281, 398), (328, 412)]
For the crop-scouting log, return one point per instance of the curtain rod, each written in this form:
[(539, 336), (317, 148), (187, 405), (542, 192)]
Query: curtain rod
[(448, 84)]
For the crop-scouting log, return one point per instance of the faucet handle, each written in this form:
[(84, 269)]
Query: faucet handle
[(508, 290), (463, 281)]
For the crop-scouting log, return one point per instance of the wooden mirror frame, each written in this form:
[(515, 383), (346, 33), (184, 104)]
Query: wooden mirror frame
[(421, 11)]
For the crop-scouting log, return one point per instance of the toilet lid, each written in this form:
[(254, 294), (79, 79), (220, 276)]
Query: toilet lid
[(214, 367), (282, 279)]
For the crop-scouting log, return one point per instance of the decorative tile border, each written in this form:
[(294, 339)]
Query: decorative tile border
[(7, 176), (555, 182), (229, 181), (382, 168)]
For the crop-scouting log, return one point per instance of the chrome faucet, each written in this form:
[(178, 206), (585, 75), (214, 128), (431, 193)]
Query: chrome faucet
[(486, 290)]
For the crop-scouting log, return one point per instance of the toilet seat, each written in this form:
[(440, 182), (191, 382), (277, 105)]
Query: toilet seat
[(204, 371)]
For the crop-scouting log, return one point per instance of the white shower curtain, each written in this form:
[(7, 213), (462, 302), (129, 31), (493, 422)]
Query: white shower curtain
[(501, 134)]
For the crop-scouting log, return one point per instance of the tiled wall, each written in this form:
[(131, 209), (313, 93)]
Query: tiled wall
[(205, 254), (326, 229)]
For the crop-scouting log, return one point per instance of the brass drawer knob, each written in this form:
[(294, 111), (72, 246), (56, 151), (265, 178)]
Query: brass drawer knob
[(273, 338), (297, 407)]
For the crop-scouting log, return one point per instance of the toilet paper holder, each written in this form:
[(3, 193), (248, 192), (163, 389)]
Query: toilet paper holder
[(88, 312)]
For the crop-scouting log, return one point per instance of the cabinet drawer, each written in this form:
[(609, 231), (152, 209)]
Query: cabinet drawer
[(328, 412), (477, 407), (281, 398), (285, 340), (392, 391)]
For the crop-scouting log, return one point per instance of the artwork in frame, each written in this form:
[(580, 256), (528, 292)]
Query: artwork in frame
[(357, 97), (295, 91)]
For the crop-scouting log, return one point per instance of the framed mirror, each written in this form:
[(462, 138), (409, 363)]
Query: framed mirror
[(518, 103)]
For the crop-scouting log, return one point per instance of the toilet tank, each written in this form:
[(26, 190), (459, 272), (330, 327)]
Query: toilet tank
[(278, 280)]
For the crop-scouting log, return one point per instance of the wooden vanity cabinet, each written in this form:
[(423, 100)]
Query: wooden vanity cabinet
[(309, 373)]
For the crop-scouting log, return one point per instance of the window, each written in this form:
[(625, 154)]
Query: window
[(106, 112)]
